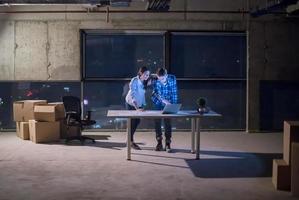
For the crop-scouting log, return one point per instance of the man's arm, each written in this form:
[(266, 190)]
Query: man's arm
[(156, 95), (174, 91)]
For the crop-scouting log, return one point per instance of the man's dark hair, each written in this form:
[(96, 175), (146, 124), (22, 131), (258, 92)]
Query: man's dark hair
[(161, 71)]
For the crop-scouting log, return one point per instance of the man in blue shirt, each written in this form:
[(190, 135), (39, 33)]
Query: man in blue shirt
[(164, 92)]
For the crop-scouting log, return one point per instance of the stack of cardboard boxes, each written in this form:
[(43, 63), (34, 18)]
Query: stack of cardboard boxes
[(295, 169), (38, 120), (284, 173)]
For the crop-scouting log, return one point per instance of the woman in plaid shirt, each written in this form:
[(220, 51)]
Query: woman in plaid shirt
[(164, 92)]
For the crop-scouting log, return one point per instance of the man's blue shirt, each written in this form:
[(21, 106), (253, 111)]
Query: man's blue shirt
[(166, 91)]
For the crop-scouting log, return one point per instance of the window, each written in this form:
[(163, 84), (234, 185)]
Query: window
[(110, 60), (279, 101), (121, 54), (210, 65), (100, 96), (208, 55), (14, 91), (225, 97)]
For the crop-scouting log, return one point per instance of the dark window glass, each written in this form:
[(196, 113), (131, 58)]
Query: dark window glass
[(15, 91), (279, 101), (226, 97), (192, 55), (208, 55), (121, 55), (101, 96)]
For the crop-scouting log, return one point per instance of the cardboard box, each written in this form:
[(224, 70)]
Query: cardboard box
[(295, 170), (281, 175), (60, 111), (23, 110), (49, 112), (290, 134), (42, 132), (23, 130), (18, 128)]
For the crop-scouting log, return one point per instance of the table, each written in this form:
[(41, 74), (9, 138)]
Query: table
[(153, 114)]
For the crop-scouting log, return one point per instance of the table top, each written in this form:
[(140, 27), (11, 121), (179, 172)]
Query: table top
[(158, 114)]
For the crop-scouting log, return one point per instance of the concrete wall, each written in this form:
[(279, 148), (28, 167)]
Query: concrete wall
[(45, 46), (273, 55), (7, 50), (39, 50)]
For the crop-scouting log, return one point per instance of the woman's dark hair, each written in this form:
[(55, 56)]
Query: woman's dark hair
[(161, 71), (142, 70)]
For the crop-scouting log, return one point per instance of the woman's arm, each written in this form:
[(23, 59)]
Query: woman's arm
[(134, 91)]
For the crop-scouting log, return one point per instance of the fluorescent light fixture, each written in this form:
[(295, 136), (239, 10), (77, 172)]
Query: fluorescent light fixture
[(158, 5)]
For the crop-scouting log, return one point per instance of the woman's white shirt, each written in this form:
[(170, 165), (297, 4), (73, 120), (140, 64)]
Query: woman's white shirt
[(136, 92)]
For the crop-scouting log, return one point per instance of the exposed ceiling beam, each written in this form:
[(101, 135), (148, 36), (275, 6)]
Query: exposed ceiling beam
[(293, 9), (60, 1), (158, 5), (96, 3), (272, 7)]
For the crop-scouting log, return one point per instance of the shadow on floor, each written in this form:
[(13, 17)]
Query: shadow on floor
[(98, 137), (98, 143), (171, 155), (233, 165), (107, 145), (223, 164)]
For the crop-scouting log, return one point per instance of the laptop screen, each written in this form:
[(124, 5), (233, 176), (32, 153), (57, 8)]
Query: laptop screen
[(171, 108)]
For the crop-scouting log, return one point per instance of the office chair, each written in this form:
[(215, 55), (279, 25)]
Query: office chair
[(73, 112)]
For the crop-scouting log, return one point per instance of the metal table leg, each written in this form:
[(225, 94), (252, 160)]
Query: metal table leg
[(129, 121), (193, 135), (197, 138)]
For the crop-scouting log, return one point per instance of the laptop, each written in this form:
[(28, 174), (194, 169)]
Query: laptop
[(171, 108)]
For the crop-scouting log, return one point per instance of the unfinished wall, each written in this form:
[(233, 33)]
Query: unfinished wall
[(273, 55), (31, 50), (64, 51), (7, 50), (45, 46)]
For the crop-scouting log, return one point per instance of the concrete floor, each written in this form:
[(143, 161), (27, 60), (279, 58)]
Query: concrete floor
[(234, 165)]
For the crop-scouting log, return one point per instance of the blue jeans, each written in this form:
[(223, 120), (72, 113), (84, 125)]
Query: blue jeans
[(167, 127), (134, 122)]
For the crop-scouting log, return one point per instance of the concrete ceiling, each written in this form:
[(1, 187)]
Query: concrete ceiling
[(57, 1), (293, 9), (276, 6), (48, 1), (183, 5)]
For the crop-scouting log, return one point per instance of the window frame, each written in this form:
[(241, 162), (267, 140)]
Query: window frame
[(167, 57), (34, 82), (84, 32), (210, 33)]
